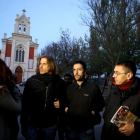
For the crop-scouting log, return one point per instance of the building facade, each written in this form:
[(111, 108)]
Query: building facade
[(19, 51)]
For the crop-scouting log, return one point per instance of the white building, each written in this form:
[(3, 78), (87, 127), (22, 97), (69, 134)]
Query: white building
[(19, 52)]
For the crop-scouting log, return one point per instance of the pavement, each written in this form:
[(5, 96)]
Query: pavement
[(97, 127)]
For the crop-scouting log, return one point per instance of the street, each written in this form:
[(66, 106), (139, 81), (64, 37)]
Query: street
[(97, 127)]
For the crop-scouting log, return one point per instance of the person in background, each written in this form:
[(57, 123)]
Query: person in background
[(14, 91), (87, 76), (84, 103), (68, 78), (62, 121), (10, 104), (125, 91), (14, 78), (43, 101)]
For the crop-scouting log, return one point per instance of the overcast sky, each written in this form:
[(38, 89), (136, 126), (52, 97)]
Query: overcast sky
[(46, 19)]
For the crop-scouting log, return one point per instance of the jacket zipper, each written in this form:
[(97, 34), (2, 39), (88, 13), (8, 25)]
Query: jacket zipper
[(45, 99), (46, 92)]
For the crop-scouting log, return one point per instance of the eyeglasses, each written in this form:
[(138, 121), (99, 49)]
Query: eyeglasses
[(117, 73)]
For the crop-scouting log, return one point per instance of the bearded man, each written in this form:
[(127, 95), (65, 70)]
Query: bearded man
[(84, 103)]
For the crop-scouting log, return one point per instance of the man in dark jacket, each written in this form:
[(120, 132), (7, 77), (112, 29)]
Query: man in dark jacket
[(43, 101), (84, 102), (125, 92)]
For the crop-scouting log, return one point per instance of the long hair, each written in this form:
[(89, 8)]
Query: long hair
[(51, 62), (5, 73)]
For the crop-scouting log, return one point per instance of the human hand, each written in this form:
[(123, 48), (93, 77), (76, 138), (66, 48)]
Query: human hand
[(93, 112), (56, 103), (127, 128), (66, 109)]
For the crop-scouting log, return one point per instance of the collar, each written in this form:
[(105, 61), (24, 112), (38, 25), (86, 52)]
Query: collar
[(131, 90), (83, 83), (126, 85)]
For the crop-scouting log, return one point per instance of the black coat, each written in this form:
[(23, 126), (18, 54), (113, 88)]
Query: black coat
[(38, 102), (10, 108), (81, 101), (131, 99)]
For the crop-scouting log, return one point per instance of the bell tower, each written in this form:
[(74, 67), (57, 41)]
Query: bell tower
[(19, 51), (22, 25)]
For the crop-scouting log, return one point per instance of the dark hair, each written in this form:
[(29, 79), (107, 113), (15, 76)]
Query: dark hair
[(14, 77), (51, 61), (69, 75), (129, 65), (87, 73), (80, 62), (5, 73)]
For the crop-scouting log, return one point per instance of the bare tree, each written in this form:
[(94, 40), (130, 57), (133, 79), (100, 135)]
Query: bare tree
[(65, 51), (114, 22)]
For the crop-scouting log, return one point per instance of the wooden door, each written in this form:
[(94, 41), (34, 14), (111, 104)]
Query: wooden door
[(18, 71)]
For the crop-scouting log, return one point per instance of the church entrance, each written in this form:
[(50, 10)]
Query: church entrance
[(18, 71)]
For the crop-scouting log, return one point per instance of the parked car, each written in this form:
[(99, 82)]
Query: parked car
[(23, 83)]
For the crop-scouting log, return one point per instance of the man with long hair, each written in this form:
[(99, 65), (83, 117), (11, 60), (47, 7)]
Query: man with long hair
[(43, 101)]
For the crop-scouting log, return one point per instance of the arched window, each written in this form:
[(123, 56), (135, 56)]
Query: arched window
[(24, 29), (16, 55), (19, 54), (23, 56), (19, 28)]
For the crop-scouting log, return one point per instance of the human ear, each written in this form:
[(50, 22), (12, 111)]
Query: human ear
[(84, 72), (130, 75)]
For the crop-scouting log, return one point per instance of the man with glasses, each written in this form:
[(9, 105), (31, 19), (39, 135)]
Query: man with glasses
[(126, 92)]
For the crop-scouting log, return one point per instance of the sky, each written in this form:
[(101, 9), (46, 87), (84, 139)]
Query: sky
[(47, 17)]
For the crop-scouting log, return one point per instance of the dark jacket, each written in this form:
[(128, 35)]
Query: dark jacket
[(131, 99), (9, 106), (38, 102), (81, 101)]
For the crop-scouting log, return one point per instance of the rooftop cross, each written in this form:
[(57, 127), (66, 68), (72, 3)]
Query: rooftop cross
[(24, 10)]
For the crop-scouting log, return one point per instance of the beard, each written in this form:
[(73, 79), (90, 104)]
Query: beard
[(81, 78)]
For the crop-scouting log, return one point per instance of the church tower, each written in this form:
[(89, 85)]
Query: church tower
[(19, 51)]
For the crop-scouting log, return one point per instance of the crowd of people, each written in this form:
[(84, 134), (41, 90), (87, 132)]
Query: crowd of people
[(70, 106)]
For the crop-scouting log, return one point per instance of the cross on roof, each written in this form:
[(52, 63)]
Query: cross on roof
[(24, 10)]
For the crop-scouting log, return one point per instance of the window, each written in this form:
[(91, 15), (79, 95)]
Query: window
[(24, 29), (16, 55), (19, 29), (19, 54), (23, 56)]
